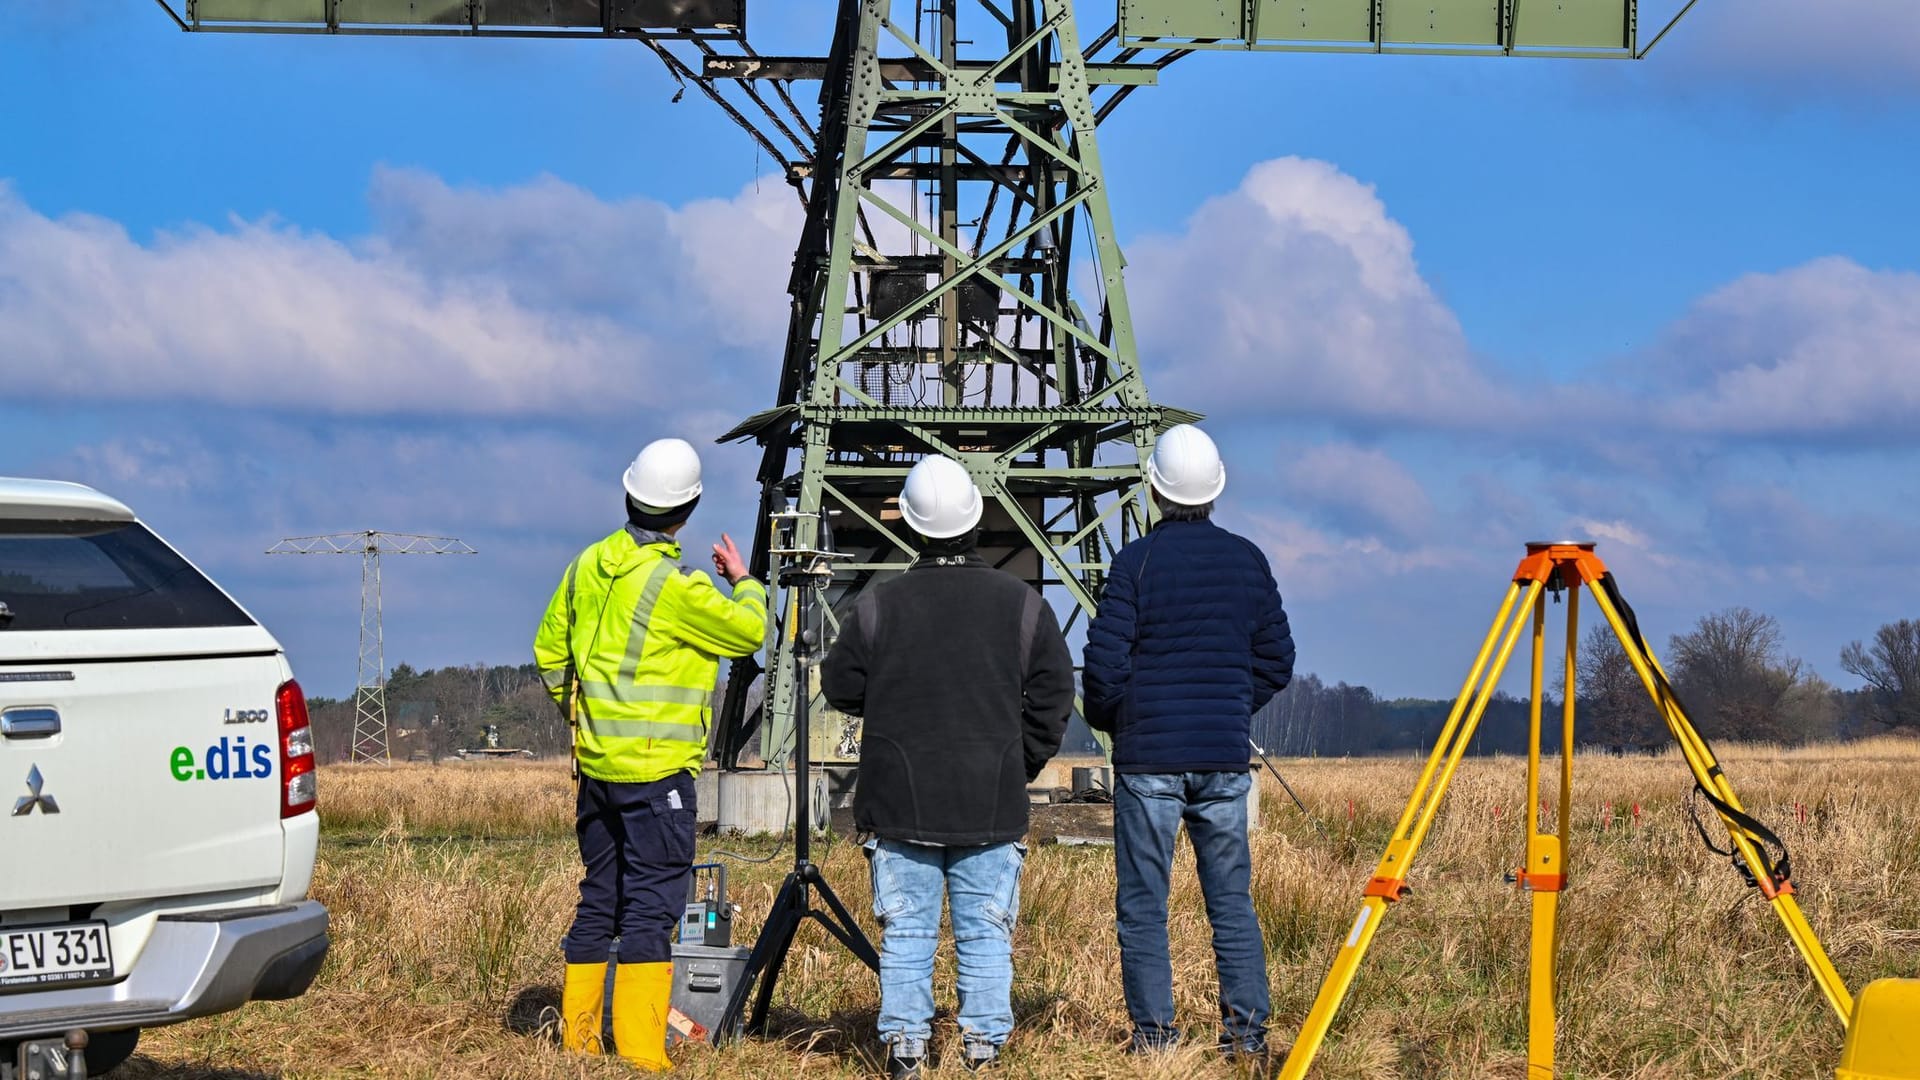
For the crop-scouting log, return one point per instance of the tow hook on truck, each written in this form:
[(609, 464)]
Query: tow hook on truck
[(48, 1059)]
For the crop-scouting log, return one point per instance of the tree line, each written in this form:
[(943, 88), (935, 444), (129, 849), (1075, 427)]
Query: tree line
[(433, 713), (1731, 671)]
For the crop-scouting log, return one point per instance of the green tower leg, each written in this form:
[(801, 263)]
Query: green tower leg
[(916, 334)]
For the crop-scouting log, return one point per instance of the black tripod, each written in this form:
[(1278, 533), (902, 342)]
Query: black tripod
[(793, 904)]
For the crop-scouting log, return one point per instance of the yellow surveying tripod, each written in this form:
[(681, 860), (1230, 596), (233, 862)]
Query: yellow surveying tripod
[(1557, 568)]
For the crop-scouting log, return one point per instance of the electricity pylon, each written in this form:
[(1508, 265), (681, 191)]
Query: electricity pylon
[(958, 284), (370, 685)]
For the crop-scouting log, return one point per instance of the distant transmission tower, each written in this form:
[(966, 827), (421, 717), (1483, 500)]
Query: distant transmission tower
[(370, 691)]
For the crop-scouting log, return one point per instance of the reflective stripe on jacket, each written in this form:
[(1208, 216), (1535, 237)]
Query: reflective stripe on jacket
[(644, 636)]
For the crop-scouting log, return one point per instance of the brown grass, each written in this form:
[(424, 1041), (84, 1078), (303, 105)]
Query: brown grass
[(476, 800), (450, 889)]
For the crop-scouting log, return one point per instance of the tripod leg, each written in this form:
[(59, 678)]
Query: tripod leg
[(1542, 875), (1450, 729), (1707, 773), (791, 908), (763, 993), (1567, 702), (762, 963), (1389, 881), (1542, 971), (845, 928)]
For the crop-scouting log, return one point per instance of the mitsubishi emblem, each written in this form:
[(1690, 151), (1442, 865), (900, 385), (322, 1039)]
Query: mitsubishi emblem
[(34, 798)]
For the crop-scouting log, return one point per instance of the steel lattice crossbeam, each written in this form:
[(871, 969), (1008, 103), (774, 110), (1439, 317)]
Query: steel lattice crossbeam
[(479, 18), (371, 542), (1569, 28), (370, 741)]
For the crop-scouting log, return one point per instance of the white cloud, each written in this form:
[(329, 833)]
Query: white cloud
[(1826, 350), (512, 480), (715, 267), (1617, 532), (1763, 523), (147, 463), (1304, 559), (1361, 490), (551, 244), (1298, 294), (534, 300), (1320, 563), (741, 249), (1294, 295)]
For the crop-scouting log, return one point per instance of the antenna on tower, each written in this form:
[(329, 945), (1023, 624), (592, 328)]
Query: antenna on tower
[(370, 690)]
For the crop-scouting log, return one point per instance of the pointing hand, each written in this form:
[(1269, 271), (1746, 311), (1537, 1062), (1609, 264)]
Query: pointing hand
[(727, 561)]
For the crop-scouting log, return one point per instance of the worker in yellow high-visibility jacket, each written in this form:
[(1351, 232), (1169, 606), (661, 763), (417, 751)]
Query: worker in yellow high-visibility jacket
[(631, 647)]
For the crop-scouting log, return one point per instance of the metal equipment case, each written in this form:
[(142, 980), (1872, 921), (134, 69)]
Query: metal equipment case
[(704, 978)]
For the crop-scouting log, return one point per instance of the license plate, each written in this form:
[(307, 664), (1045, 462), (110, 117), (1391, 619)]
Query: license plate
[(72, 952)]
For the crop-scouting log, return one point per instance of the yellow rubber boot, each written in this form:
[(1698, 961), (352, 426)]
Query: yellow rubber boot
[(641, 996), (581, 1001)]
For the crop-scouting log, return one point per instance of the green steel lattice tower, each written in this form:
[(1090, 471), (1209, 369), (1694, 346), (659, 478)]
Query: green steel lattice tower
[(958, 291), (957, 287)]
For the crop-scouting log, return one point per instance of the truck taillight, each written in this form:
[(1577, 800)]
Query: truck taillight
[(298, 791)]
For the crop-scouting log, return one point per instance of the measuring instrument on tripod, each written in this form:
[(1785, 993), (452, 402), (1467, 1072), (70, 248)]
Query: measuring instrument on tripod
[(804, 548)]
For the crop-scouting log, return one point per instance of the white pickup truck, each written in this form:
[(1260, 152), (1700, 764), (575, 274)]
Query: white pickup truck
[(157, 824)]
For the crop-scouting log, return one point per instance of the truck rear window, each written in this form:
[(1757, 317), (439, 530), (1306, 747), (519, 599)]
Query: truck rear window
[(92, 575)]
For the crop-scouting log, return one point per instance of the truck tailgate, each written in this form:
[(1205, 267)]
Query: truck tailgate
[(162, 778)]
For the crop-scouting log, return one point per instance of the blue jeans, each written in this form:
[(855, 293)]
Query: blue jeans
[(982, 884), (1147, 810)]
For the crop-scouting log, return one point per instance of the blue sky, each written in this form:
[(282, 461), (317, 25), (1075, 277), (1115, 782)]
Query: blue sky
[(1434, 307)]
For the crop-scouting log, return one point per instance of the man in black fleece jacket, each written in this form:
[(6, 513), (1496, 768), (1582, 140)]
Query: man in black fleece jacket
[(965, 683)]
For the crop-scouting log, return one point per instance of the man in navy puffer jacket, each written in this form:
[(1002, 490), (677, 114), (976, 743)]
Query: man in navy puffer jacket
[(1190, 641)]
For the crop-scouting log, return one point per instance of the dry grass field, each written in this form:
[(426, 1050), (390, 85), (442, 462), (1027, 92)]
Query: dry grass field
[(450, 888)]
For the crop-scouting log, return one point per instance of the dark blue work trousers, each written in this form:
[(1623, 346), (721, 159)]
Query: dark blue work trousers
[(636, 841)]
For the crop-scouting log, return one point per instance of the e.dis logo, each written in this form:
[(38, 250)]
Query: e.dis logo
[(228, 759)]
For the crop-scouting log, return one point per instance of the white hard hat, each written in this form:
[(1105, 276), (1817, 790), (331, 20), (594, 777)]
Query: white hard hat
[(665, 475), (1186, 467), (940, 500)]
